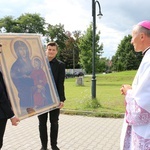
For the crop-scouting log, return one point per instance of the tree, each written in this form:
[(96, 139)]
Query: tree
[(104, 65), (85, 46), (9, 24), (72, 50), (26, 23), (71, 53), (126, 58), (68, 48), (31, 23), (56, 33)]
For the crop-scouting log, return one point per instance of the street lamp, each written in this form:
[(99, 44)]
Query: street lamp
[(93, 45), (73, 61)]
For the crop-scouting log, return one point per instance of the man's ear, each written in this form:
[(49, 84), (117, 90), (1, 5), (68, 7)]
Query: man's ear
[(142, 36)]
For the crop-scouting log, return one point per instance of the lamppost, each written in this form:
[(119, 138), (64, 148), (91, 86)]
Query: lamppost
[(73, 61), (93, 45)]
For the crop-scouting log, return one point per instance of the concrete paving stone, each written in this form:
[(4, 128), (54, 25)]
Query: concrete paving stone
[(75, 133)]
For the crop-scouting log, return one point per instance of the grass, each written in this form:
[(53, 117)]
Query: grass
[(108, 103)]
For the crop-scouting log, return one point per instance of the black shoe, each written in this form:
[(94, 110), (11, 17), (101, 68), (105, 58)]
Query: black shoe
[(42, 148), (55, 148)]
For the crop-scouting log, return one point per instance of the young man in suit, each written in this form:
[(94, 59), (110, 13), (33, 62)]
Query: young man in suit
[(58, 71), (5, 109)]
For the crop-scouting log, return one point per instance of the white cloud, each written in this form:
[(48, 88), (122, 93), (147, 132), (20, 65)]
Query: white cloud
[(110, 38), (68, 12), (118, 16)]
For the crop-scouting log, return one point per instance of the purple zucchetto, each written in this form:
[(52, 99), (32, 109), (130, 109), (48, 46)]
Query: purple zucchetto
[(145, 24)]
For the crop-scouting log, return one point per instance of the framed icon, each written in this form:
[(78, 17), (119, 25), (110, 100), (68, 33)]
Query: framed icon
[(27, 75)]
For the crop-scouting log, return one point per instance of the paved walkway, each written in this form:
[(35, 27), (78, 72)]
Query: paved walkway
[(75, 133)]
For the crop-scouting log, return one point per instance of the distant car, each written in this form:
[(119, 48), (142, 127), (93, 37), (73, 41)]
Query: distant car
[(78, 74), (108, 71), (69, 75)]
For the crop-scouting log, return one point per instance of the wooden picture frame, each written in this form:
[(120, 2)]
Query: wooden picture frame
[(27, 75)]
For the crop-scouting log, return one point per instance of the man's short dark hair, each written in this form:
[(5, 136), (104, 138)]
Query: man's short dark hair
[(52, 44)]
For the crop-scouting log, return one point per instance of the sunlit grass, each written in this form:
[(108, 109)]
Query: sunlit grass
[(108, 97)]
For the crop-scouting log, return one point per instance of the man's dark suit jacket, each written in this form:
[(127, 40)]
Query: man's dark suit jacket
[(5, 106), (58, 71)]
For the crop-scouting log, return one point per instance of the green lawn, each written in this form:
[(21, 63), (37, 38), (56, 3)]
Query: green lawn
[(108, 97)]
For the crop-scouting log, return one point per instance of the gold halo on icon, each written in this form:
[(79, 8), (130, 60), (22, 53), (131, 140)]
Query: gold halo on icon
[(37, 57), (22, 40)]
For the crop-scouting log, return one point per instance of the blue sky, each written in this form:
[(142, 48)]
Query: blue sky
[(119, 16)]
